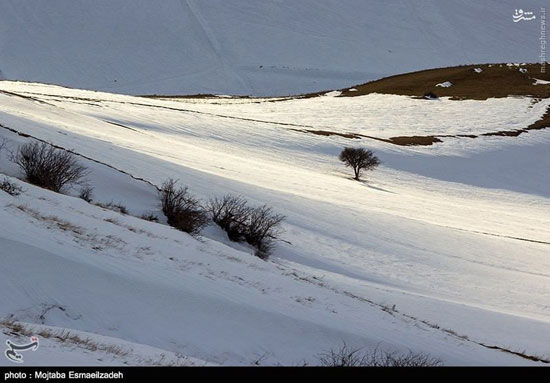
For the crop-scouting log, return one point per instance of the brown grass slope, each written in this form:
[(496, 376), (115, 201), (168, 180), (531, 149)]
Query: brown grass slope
[(495, 80)]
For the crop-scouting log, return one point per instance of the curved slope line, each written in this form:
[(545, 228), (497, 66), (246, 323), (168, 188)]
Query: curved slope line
[(216, 46)]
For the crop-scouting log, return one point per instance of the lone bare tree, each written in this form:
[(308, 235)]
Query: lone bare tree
[(359, 160)]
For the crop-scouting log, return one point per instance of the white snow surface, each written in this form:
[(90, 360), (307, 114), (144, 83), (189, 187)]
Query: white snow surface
[(62, 347), (445, 84), (443, 250), (252, 47)]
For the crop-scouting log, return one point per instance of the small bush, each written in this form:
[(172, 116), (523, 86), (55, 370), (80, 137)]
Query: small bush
[(355, 357), (232, 214), (10, 187), (87, 193), (48, 167), (258, 226), (262, 230), (118, 207), (150, 217), (359, 160), (183, 211)]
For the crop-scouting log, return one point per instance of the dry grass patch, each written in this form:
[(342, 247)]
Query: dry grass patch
[(63, 336), (494, 80)]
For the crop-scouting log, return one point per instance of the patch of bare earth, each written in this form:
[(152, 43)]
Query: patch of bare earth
[(489, 81)]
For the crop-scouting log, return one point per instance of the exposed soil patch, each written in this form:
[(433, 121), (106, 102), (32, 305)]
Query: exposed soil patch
[(208, 96), (327, 133), (122, 126), (24, 96), (199, 95), (414, 140), (473, 82), (494, 80), (523, 355), (543, 123), (400, 140)]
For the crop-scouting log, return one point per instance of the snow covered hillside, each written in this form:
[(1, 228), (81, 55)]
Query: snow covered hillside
[(61, 346), (252, 47), (444, 250)]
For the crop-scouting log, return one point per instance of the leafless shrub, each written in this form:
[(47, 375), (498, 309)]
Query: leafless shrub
[(258, 226), (118, 207), (359, 160), (10, 187), (344, 357), (48, 167), (259, 359), (409, 359), (87, 193), (232, 214), (262, 230), (150, 217), (183, 211), (3, 143), (347, 356)]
